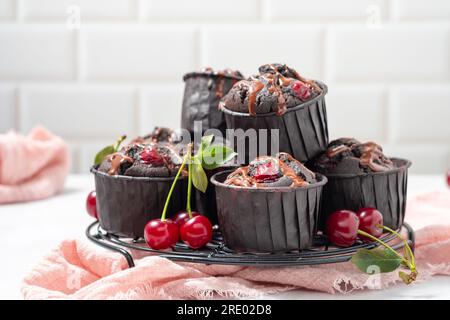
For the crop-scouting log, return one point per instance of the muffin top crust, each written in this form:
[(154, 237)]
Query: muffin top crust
[(276, 88), (282, 170), (152, 155), (348, 155)]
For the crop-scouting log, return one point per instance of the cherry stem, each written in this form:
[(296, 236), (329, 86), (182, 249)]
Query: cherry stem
[(119, 142), (386, 246), (166, 205), (189, 190), (408, 248)]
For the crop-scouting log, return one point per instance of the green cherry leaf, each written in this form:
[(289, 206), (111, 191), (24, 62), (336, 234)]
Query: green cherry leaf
[(199, 179), (385, 260), (103, 153), (216, 156)]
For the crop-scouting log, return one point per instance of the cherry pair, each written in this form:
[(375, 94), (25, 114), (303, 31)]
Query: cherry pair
[(344, 226), (195, 230)]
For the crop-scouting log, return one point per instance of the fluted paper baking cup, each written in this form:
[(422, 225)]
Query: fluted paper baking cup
[(385, 191), (303, 129), (205, 203), (125, 204), (201, 101), (267, 219)]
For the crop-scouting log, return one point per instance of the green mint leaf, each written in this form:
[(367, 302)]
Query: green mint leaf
[(199, 179), (216, 156), (370, 260), (206, 142), (103, 153)]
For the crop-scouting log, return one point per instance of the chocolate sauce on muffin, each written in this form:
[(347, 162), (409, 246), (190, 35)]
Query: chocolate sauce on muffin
[(281, 170), (348, 155), (275, 89), (150, 159)]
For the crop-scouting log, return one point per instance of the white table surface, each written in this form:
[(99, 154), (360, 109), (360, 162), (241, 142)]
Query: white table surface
[(29, 230)]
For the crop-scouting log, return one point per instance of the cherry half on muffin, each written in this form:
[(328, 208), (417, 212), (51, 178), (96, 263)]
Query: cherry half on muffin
[(281, 170)]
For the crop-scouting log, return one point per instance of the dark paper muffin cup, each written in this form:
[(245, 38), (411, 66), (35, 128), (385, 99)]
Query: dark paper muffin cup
[(125, 204), (385, 191), (205, 203), (303, 129), (267, 219), (202, 93)]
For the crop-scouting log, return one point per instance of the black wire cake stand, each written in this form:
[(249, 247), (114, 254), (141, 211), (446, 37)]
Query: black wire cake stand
[(217, 253)]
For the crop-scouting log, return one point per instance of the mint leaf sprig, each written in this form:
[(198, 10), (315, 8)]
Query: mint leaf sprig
[(208, 157), (106, 151)]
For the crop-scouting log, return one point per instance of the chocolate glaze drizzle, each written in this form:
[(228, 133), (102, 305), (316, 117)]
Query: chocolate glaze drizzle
[(274, 82), (220, 80), (116, 160), (370, 154), (241, 177)]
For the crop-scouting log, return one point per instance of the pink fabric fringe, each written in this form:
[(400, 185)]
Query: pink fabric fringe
[(78, 270)]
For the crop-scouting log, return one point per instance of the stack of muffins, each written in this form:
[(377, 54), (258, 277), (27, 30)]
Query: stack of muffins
[(272, 203)]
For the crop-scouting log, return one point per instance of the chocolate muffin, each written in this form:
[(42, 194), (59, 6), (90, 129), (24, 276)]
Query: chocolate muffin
[(271, 205), (202, 93), (279, 171), (143, 160), (275, 89), (348, 155), (360, 175), (133, 183), (279, 98)]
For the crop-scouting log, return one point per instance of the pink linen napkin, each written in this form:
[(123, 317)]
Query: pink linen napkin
[(78, 270), (32, 167)]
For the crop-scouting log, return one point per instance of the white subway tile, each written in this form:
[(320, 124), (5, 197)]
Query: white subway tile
[(326, 10), (247, 47), (137, 52), (175, 10), (7, 9), (356, 111), (85, 9), (420, 113), (77, 111), (388, 53), (425, 158), (7, 108), (160, 105), (418, 9), (36, 52)]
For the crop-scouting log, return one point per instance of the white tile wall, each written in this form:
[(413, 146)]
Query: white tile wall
[(6, 9), (176, 10), (89, 9), (324, 10), (136, 52), (419, 10), (387, 64)]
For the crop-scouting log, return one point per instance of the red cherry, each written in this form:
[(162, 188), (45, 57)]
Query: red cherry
[(196, 232), (342, 228), (151, 156), (369, 220), (183, 216), (448, 178), (91, 204), (266, 171), (301, 90), (161, 234)]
